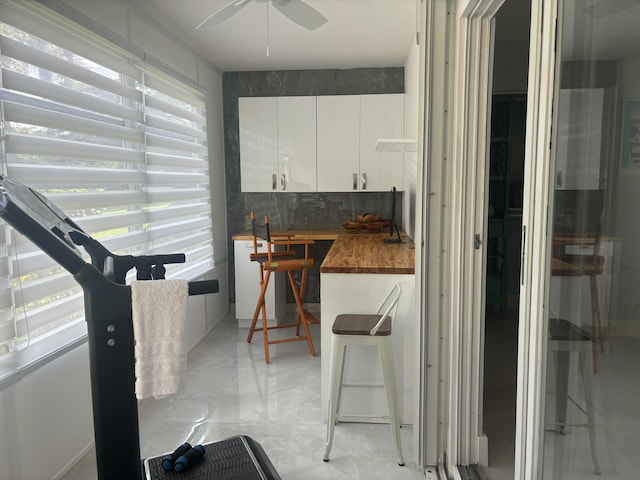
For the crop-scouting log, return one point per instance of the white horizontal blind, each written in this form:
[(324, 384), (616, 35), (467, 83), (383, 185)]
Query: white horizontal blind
[(120, 147), (177, 172)]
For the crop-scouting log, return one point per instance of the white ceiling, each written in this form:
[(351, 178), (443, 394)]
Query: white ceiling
[(359, 33), (370, 33)]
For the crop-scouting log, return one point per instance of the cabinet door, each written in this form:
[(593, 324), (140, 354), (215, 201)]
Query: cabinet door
[(381, 116), (247, 286), (297, 144), (579, 142), (258, 144), (338, 143)]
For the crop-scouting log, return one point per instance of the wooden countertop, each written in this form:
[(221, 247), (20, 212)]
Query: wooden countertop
[(356, 251), (367, 253), (299, 234)]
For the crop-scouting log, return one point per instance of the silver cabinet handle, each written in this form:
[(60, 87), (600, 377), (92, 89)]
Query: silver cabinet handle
[(274, 181), (355, 181), (283, 183), (364, 181)]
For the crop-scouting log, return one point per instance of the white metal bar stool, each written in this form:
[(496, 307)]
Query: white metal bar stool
[(365, 329), (566, 338)]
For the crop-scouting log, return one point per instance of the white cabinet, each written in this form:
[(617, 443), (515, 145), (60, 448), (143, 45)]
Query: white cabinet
[(297, 144), (580, 141), (348, 129), (277, 144), (258, 144), (338, 143), (381, 116), (247, 285)]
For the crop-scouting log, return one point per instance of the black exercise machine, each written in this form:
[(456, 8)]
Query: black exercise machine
[(108, 313)]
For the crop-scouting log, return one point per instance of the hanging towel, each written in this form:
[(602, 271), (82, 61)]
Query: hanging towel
[(159, 310)]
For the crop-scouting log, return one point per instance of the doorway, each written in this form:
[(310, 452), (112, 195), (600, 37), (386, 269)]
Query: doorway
[(503, 269), (504, 225)]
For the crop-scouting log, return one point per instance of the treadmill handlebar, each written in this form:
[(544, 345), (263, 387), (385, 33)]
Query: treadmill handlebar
[(202, 287)]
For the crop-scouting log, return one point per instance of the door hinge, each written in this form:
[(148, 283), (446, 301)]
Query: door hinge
[(477, 241)]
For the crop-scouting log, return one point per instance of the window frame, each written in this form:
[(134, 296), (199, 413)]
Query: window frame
[(164, 136)]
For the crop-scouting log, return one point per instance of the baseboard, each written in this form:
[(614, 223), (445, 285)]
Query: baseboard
[(74, 461), (623, 329)]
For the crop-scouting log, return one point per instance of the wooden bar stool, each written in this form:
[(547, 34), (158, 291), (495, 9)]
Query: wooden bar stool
[(365, 329), (280, 257)]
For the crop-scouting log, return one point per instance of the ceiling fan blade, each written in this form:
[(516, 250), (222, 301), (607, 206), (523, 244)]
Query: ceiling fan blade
[(224, 13), (300, 13)]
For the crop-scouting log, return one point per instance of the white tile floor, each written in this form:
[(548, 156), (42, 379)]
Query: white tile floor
[(616, 388), (230, 391)]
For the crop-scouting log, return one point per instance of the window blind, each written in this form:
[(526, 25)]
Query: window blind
[(119, 146)]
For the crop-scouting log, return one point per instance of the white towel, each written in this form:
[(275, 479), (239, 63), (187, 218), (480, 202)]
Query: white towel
[(159, 314)]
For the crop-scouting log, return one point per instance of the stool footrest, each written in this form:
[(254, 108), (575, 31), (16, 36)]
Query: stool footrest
[(285, 340), (554, 426), (340, 416), (310, 317), (275, 327), (364, 385)]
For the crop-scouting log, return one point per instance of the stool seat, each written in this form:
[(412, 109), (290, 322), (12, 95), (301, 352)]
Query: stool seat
[(360, 324), (564, 330)]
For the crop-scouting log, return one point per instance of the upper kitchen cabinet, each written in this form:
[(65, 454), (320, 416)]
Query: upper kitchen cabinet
[(258, 144), (338, 143), (277, 144), (580, 141), (381, 116), (348, 129), (297, 144)]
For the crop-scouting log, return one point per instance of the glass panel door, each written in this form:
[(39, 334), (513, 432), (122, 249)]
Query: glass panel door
[(592, 412)]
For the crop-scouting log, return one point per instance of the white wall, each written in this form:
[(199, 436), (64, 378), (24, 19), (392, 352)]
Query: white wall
[(411, 108), (46, 419)]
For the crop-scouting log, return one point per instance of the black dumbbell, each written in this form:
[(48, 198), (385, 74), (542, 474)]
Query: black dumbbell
[(169, 461), (190, 458)]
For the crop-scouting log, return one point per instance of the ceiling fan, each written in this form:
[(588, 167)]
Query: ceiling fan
[(295, 10)]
